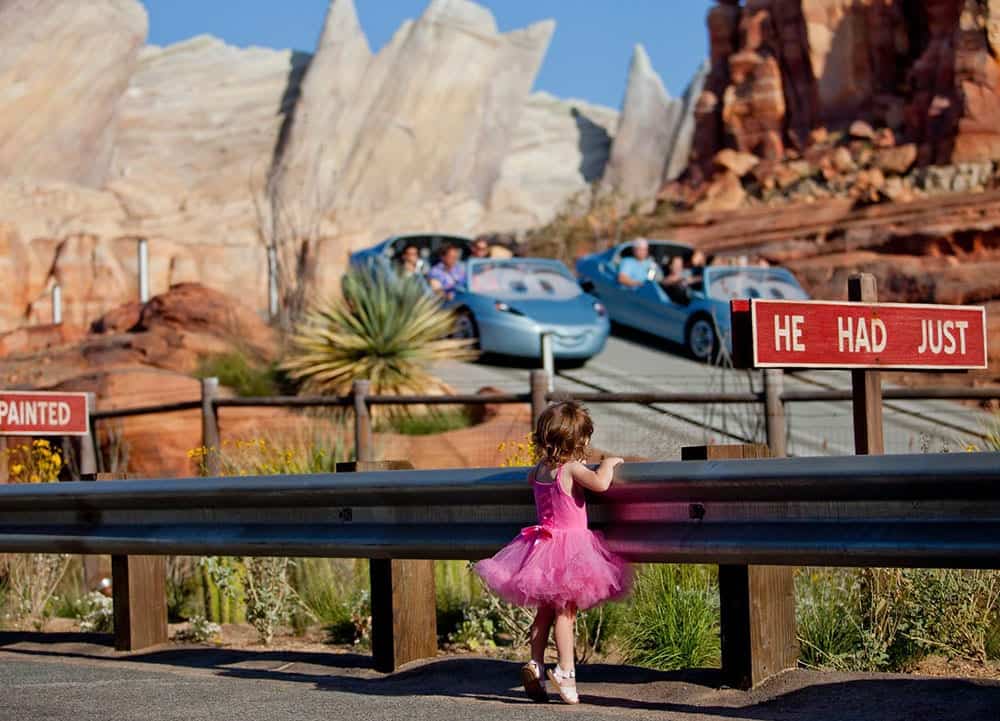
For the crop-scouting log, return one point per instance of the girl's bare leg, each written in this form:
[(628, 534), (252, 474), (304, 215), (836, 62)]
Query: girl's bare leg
[(540, 635), (565, 619)]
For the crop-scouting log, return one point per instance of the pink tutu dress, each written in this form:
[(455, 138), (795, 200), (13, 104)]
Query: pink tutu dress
[(559, 562)]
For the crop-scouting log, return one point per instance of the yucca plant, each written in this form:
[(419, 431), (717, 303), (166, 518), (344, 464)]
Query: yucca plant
[(383, 329)]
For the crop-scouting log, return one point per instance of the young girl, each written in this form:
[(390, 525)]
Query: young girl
[(558, 566)]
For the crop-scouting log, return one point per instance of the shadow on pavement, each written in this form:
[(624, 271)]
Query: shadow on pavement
[(791, 696)]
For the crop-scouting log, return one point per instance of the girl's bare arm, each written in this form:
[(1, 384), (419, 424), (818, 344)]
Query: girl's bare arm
[(598, 481)]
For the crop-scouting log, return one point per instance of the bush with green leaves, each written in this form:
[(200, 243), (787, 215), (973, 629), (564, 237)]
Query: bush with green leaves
[(383, 329)]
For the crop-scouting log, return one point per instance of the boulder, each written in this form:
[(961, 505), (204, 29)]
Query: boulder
[(738, 163), (897, 160), (725, 193), (64, 67), (861, 129)]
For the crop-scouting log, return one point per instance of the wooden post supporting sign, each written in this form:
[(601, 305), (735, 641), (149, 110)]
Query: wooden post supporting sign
[(866, 385), (757, 603), (404, 602)]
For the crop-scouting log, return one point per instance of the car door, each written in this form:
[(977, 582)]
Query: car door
[(617, 298)]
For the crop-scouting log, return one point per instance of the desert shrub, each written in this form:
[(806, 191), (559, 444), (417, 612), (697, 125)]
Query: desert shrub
[(382, 329), (261, 586), (888, 619), (598, 629), (96, 613), (517, 454), (200, 630), (29, 580), (673, 618)]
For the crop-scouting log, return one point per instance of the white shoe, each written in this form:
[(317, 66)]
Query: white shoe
[(534, 682), (565, 682)]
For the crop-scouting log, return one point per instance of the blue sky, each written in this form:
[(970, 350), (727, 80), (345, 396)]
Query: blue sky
[(588, 57)]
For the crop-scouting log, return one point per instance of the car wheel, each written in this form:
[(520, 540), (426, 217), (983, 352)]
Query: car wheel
[(466, 328), (701, 340)]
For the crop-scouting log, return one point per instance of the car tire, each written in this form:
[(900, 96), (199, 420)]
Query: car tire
[(466, 327), (701, 340)]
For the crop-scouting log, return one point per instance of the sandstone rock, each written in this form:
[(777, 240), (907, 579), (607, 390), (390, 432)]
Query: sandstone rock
[(725, 193), (738, 163), (64, 67), (897, 160), (861, 129), (323, 123), (842, 160), (680, 152), (885, 138), (559, 149), (450, 136), (122, 319), (647, 127), (198, 310)]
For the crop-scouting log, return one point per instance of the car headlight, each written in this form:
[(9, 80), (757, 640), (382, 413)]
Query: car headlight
[(600, 309), (504, 308)]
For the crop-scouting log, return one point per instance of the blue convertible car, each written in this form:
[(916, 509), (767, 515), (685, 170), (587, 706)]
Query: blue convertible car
[(695, 314), (505, 305)]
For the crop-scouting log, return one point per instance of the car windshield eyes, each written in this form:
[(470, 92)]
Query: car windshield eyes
[(519, 286), (547, 286)]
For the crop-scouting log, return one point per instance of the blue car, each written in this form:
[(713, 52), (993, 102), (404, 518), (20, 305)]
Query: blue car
[(388, 254), (505, 305), (695, 314)]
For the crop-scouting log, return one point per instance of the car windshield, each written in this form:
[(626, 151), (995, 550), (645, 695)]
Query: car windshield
[(528, 281), (753, 283)]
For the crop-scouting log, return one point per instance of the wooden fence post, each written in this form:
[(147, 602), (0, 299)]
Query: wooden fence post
[(139, 594), (404, 602), (210, 424), (774, 410), (757, 609), (363, 452), (866, 385), (539, 393), (88, 443)]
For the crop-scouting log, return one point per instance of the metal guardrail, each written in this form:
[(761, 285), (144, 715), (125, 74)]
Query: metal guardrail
[(906, 510)]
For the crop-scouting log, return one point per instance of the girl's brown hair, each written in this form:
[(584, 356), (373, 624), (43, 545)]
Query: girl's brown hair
[(562, 432)]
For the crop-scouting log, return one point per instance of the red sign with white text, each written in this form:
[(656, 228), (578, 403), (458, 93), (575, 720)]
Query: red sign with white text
[(31, 413), (822, 334)]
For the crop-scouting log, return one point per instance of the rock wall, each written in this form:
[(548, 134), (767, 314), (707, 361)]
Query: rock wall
[(63, 68), (212, 152)]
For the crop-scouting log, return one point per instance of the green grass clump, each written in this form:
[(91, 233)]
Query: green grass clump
[(427, 424), (673, 618), (247, 377)]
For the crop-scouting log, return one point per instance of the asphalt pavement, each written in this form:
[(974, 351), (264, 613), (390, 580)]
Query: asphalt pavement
[(43, 679)]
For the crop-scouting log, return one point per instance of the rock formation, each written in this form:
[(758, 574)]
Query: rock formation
[(63, 69), (653, 138), (789, 76)]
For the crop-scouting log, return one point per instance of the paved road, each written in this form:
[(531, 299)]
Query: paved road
[(634, 362), (72, 681)]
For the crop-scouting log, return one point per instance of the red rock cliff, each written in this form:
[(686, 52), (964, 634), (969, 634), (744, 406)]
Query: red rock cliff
[(787, 71)]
